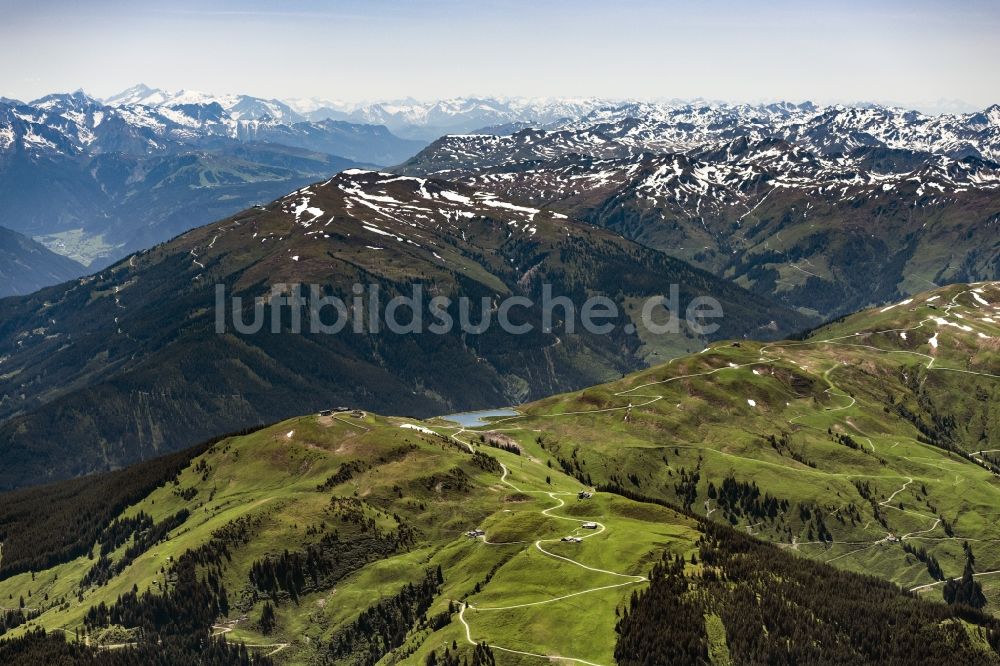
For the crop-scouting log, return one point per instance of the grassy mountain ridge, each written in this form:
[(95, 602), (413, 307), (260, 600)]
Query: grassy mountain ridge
[(373, 505), (869, 444), (341, 539)]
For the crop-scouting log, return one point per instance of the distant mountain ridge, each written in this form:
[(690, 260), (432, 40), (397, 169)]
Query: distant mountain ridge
[(679, 124), (97, 182), (413, 119)]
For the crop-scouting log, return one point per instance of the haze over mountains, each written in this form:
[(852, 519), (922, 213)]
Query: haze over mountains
[(27, 266), (96, 182)]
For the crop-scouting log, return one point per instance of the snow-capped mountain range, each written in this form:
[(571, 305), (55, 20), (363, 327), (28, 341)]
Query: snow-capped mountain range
[(598, 127), (635, 128), (824, 130), (71, 162), (425, 120), (828, 210), (95, 180), (143, 120), (673, 125)]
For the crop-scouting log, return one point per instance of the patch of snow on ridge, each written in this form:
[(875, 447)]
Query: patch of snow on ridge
[(456, 197), (944, 322), (381, 232), (304, 207), (413, 426), (493, 202)]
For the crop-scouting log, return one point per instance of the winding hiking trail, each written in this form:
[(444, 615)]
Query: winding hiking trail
[(601, 528), (770, 354), (928, 586), (223, 629)]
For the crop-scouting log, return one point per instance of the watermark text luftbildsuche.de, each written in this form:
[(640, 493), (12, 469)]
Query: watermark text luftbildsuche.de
[(298, 308)]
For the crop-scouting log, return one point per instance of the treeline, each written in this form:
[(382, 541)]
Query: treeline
[(349, 469), (687, 486), (739, 498), (868, 494), (813, 519), (343, 474), (454, 480), (966, 591), (383, 627), (482, 655), (48, 525), (486, 462), (919, 552), (185, 611), (664, 624), (500, 441), (38, 647), (778, 608), (321, 565), (15, 618), (121, 530), (174, 627), (147, 534), (783, 445), (43, 526)]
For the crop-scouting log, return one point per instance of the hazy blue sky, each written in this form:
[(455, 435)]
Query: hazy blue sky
[(913, 51)]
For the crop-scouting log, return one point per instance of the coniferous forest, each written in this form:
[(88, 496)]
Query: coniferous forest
[(779, 608)]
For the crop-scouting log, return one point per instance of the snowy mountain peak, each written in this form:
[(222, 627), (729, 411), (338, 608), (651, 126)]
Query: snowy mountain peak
[(993, 115), (238, 107), (73, 101), (138, 94)]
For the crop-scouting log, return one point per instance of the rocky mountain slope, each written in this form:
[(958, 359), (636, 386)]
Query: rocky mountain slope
[(128, 362)]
